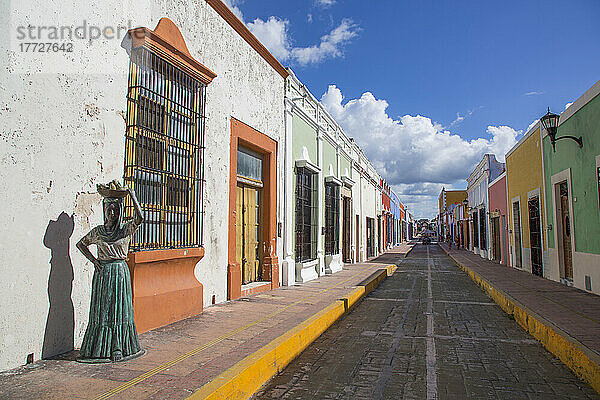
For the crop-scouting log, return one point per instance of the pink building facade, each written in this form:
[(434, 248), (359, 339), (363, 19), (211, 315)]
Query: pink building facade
[(498, 220)]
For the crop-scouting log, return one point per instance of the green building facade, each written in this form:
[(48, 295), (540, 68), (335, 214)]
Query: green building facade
[(572, 186)]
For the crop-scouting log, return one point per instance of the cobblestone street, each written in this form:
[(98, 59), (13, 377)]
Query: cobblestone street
[(426, 332)]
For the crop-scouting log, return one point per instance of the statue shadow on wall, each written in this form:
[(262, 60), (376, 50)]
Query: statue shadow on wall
[(60, 325)]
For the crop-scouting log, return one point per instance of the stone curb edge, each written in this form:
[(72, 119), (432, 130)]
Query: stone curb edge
[(580, 359), (244, 378), (409, 250)]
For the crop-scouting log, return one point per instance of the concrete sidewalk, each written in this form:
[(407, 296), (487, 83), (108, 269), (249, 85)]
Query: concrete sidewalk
[(564, 319), (197, 352)]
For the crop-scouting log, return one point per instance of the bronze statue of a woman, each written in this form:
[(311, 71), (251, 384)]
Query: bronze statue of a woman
[(111, 334)]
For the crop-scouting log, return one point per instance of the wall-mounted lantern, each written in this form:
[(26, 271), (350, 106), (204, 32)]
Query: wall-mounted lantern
[(550, 124)]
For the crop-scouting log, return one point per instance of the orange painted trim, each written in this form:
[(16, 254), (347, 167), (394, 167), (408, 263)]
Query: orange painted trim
[(167, 254), (164, 290), (245, 33), (259, 142), (167, 41)]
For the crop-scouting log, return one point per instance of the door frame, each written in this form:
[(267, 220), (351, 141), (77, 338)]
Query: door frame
[(495, 238), (555, 180), (514, 200), (257, 205), (358, 241), (259, 142)]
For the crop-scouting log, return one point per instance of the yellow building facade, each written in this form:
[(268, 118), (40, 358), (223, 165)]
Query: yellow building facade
[(526, 204)]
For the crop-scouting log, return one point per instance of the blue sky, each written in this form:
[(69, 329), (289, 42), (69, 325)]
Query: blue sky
[(473, 69)]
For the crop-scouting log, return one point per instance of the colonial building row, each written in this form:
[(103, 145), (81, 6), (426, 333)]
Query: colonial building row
[(540, 211), (245, 181)]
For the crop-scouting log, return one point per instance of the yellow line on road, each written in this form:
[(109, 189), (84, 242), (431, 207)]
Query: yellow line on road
[(197, 350)]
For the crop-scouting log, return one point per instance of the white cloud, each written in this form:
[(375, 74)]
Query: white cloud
[(233, 6), (421, 199), (414, 154), (503, 139), (330, 46), (325, 3), (533, 93), (459, 119), (273, 34)]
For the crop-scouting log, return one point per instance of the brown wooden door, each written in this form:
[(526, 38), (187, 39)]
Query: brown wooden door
[(496, 239), (248, 229), (567, 254)]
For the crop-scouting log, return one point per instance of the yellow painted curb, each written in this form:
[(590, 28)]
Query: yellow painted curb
[(581, 360), (243, 379)]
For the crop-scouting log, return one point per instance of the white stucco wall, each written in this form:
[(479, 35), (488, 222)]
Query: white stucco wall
[(63, 132)]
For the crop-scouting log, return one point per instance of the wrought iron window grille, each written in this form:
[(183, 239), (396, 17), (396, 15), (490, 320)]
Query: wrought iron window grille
[(164, 152), (306, 215), (332, 219)]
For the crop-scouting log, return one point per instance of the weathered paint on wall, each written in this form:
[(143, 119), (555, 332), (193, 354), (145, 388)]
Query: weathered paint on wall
[(65, 133)]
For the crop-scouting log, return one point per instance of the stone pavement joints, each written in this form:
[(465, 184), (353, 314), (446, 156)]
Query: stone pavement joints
[(564, 319), (186, 355), (480, 351)]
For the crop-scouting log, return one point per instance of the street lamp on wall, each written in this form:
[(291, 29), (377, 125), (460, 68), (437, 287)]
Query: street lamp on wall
[(550, 124)]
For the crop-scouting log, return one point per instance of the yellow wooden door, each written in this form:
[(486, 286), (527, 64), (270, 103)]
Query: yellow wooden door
[(248, 227), (249, 236), (239, 227)]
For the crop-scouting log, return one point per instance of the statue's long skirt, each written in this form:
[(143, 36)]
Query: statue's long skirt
[(111, 327)]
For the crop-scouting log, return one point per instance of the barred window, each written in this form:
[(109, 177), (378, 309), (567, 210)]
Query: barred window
[(164, 143), (332, 218), (306, 215)]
